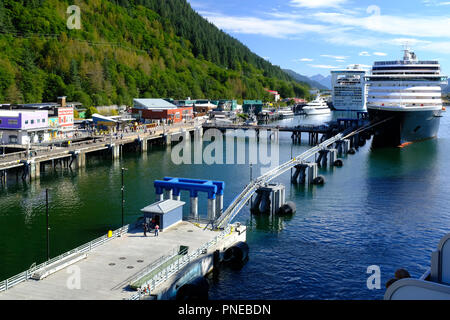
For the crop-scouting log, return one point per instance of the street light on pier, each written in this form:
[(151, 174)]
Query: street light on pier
[(123, 189), (47, 224)]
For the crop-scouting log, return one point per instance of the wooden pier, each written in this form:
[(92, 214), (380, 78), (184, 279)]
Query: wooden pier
[(30, 163)]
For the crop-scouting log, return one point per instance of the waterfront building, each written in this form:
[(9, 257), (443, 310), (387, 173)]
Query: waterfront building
[(23, 127), (275, 94), (227, 105), (203, 106), (60, 115), (185, 103), (349, 89), (160, 110), (252, 106)]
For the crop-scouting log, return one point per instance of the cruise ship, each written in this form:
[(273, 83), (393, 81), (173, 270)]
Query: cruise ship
[(407, 94), (349, 89)]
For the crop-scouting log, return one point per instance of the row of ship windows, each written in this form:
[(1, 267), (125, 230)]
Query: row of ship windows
[(403, 105), (399, 97)]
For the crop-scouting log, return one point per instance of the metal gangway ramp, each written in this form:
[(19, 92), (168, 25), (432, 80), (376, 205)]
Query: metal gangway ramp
[(239, 202)]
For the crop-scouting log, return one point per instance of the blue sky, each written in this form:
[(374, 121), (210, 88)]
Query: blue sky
[(316, 36)]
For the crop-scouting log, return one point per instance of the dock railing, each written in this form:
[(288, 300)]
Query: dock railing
[(165, 273), (24, 276)]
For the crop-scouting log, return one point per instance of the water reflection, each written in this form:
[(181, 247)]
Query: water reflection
[(268, 223)]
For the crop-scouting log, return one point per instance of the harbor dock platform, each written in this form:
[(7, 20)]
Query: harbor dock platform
[(111, 266)]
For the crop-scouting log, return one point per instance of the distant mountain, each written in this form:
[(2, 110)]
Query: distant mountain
[(324, 81), (302, 78), (446, 89)]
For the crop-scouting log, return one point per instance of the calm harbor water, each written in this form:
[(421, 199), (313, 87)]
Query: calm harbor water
[(385, 207)]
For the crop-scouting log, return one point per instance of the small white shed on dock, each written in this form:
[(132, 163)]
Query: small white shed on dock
[(166, 213)]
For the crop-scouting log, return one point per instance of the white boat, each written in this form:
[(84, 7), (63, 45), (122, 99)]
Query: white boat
[(317, 106), (286, 113), (222, 120), (251, 120)]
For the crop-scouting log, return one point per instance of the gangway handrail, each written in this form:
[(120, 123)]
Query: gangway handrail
[(249, 190)]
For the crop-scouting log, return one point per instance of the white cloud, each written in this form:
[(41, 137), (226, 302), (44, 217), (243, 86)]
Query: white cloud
[(364, 28), (324, 66), (415, 26), (251, 25), (304, 59), (317, 3), (429, 3), (362, 66), (381, 54), (333, 57), (442, 47)]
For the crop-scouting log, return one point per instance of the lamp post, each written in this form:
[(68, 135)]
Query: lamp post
[(123, 189), (48, 227)]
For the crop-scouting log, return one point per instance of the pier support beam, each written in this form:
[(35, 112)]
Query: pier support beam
[(296, 137), (34, 170), (269, 199), (143, 143), (219, 205), (211, 208), (305, 172), (168, 139), (176, 194), (78, 159), (115, 151), (3, 176), (332, 155), (198, 133), (167, 194), (322, 160), (342, 146), (194, 207)]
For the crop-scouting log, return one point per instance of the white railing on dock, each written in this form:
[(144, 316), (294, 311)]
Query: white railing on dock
[(177, 265), (10, 282)]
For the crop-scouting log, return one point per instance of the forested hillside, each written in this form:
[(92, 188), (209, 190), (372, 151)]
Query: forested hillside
[(126, 49)]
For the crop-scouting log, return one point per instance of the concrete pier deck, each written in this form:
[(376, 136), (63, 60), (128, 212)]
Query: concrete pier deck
[(99, 279)]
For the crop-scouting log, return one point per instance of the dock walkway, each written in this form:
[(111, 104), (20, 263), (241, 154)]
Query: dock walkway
[(109, 268)]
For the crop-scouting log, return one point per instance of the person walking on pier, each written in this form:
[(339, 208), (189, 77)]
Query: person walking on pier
[(156, 230), (145, 229)]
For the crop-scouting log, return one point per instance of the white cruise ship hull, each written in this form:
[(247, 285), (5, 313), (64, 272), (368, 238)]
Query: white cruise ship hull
[(405, 127)]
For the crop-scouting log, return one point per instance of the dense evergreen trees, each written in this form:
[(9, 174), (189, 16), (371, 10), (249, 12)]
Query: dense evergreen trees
[(126, 49)]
